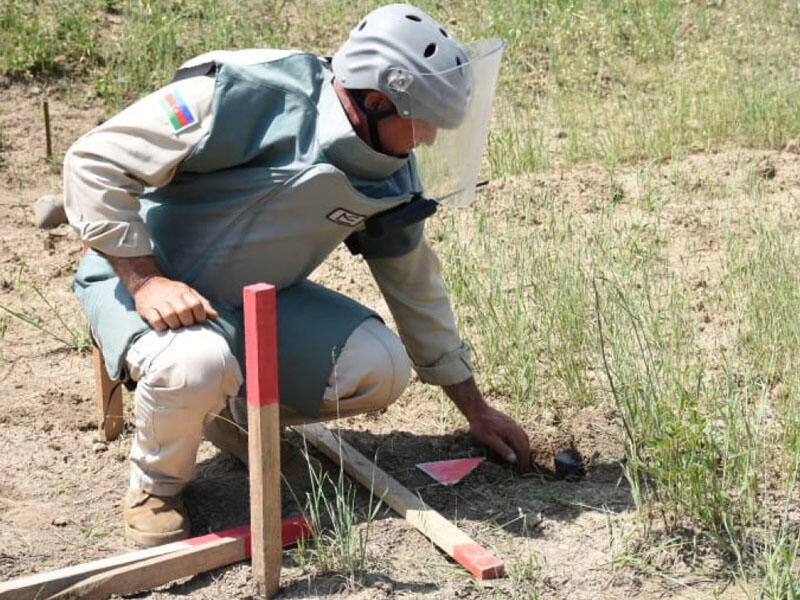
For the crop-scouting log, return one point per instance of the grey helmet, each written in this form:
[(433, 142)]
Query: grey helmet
[(402, 52)]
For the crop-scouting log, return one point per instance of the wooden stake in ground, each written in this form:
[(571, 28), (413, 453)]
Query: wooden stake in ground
[(261, 359), (472, 556), (47, 137), (109, 399)]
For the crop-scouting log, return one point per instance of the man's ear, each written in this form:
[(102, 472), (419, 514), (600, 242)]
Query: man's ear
[(377, 102)]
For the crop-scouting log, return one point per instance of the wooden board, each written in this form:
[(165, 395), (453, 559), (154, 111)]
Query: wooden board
[(472, 556), (231, 545), (151, 573)]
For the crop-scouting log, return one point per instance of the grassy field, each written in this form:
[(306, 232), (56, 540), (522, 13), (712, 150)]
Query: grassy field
[(577, 312)]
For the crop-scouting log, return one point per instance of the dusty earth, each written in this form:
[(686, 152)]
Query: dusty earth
[(60, 487)]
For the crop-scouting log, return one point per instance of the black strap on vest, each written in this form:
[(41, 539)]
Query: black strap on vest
[(208, 69), (402, 216), (417, 209), (394, 219)]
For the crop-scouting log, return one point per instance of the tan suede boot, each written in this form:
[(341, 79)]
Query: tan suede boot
[(154, 520)]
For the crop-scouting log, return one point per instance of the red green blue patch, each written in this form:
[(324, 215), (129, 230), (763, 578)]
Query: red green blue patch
[(178, 113)]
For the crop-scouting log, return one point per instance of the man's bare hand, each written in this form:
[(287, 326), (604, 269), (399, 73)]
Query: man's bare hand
[(169, 304), (498, 431), (491, 427), (162, 302)]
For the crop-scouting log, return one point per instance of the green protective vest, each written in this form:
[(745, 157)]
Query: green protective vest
[(279, 181)]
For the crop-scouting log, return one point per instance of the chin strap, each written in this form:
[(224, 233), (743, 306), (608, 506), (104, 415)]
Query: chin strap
[(373, 118)]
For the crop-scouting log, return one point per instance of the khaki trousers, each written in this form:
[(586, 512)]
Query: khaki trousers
[(185, 376)]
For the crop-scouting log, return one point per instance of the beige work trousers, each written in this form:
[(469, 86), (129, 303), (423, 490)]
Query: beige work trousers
[(185, 376)]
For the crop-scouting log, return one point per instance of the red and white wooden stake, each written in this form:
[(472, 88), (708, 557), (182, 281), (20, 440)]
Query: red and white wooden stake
[(263, 417)]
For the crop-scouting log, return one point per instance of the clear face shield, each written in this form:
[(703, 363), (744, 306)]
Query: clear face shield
[(449, 159)]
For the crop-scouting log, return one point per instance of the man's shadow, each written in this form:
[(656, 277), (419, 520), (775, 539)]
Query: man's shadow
[(493, 494), (560, 485)]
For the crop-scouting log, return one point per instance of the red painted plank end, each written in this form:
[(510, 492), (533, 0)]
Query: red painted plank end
[(293, 530), (479, 561)]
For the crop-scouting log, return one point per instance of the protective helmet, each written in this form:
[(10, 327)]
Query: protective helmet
[(402, 52)]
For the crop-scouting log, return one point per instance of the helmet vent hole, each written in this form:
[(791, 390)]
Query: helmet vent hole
[(414, 18), (430, 50), (443, 32), (362, 25)]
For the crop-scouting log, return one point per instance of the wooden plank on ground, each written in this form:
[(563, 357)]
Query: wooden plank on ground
[(472, 556), (263, 418), (232, 544), (154, 572)]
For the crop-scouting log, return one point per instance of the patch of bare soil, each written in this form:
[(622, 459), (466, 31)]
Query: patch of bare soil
[(61, 488)]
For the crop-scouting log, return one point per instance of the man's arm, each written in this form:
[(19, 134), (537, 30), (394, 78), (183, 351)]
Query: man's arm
[(104, 174), (415, 293), (106, 170)]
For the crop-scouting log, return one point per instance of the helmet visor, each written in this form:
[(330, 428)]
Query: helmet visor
[(449, 158)]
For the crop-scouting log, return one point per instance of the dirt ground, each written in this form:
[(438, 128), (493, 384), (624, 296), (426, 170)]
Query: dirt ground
[(61, 488)]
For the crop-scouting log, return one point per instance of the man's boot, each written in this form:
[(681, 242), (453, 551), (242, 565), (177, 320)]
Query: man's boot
[(154, 520)]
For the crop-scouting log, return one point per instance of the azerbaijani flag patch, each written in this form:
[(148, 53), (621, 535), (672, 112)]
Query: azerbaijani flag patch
[(178, 113)]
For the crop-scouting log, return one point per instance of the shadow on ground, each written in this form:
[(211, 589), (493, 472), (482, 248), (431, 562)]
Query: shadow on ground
[(493, 497)]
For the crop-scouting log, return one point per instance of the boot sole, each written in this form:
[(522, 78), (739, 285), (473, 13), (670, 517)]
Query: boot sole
[(149, 540)]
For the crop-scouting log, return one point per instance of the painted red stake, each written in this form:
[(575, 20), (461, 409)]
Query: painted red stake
[(263, 417)]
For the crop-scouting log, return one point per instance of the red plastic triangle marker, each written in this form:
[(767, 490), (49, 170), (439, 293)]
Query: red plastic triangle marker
[(450, 472)]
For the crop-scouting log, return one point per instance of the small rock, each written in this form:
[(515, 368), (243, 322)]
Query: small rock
[(99, 447), (49, 211), (559, 133), (766, 170), (384, 586), (569, 464), (793, 146), (781, 392), (60, 522)]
